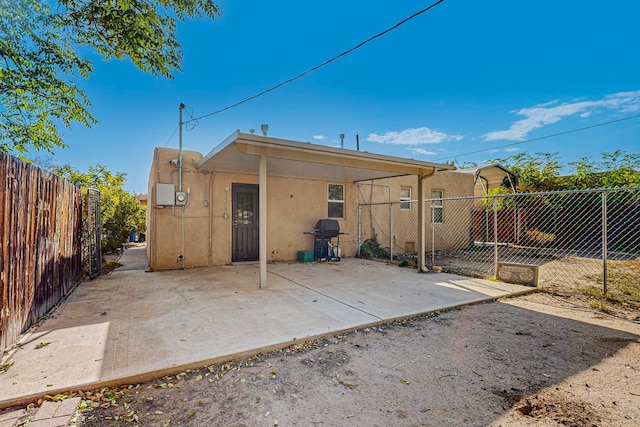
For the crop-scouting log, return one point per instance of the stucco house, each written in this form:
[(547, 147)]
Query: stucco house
[(253, 198)]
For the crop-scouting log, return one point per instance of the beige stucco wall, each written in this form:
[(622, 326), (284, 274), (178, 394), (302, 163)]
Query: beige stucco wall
[(202, 230), (402, 230), (293, 205)]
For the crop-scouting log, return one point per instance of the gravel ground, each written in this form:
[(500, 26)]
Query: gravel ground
[(532, 360)]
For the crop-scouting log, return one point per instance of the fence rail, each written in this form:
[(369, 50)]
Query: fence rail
[(588, 238), (41, 246)]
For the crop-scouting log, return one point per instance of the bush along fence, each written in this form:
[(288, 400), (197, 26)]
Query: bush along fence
[(590, 239), (41, 247)]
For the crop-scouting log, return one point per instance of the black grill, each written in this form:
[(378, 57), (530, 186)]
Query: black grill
[(323, 232), (326, 229)]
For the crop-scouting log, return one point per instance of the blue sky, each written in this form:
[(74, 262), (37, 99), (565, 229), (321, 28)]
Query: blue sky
[(463, 77)]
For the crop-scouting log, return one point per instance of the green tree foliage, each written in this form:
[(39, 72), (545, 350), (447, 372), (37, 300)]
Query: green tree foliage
[(541, 172), (121, 211), (40, 61), (615, 170)]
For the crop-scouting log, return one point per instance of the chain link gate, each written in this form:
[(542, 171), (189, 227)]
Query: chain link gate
[(92, 230), (583, 239)]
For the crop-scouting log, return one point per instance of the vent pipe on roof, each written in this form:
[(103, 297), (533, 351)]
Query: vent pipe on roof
[(264, 128), (358, 142), (342, 140), (252, 131)]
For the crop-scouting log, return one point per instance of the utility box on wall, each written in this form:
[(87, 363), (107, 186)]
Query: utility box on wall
[(165, 194)]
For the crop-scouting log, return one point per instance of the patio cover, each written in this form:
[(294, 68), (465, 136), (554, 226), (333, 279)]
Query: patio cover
[(249, 153)]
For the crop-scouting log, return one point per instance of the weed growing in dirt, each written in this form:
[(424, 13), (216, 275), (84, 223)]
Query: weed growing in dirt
[(601, 306), (623, 285), (109, 266)]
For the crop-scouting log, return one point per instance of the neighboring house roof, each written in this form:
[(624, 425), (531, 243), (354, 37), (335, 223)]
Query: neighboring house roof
[(143, 199), (491, 176), (240, 152)]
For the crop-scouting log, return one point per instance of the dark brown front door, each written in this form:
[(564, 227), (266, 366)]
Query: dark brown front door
[(244, 200)]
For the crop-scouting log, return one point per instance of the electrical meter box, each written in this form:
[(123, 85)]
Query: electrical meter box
[(181, 198), (165, 194)]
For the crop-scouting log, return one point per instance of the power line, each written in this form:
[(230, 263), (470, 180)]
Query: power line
[(540, 137), (310, 70), (171, 137)]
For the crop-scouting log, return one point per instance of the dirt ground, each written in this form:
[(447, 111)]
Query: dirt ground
[(567, 276), (534, 360)]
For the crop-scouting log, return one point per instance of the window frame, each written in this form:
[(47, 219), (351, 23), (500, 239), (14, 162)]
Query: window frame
[(334, 202), (405, 201), (437, 205)]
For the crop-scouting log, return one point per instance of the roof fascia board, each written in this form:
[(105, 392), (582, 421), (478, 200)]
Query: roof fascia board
[(338, 159), (306, 147)]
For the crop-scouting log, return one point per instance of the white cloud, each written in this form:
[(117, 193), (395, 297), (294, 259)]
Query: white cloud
[(319, 137), (413, 136), (421, 151), (549, 113), (511, 149)]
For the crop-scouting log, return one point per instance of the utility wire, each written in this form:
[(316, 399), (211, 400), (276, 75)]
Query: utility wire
[(191, 123), (540, 137), (310, 70), (171, 137)]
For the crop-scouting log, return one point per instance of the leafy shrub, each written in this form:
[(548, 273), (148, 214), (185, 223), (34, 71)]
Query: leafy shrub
[(371, 249), (111, 245)]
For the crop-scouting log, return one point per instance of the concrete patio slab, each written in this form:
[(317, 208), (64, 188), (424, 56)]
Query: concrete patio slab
[(133, 326)]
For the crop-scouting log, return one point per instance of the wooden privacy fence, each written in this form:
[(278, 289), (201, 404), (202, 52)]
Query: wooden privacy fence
[(41, 246)]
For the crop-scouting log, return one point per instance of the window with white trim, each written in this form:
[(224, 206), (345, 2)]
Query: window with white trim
[(335, 201), (405, 198), (437, 207)]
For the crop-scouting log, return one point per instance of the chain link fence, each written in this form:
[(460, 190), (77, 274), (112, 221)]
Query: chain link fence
[(583, 240)]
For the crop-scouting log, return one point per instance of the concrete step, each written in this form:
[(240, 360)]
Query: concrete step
[(50, 414)]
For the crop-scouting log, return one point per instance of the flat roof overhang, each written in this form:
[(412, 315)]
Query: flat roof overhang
[(241, 153), (262, 155)]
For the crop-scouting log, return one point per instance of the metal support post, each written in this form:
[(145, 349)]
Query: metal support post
[(433, 234), (604, 242), (495, 237), (262, 215), (359, 229), (391, 239), (421, 226)]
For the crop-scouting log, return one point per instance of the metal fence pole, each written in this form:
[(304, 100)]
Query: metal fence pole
[(518, 223), (359, 229), (495, 237), (604, 242), (433, 235), (391, 241)]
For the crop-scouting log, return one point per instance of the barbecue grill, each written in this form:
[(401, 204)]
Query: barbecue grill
[(323, 232)]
